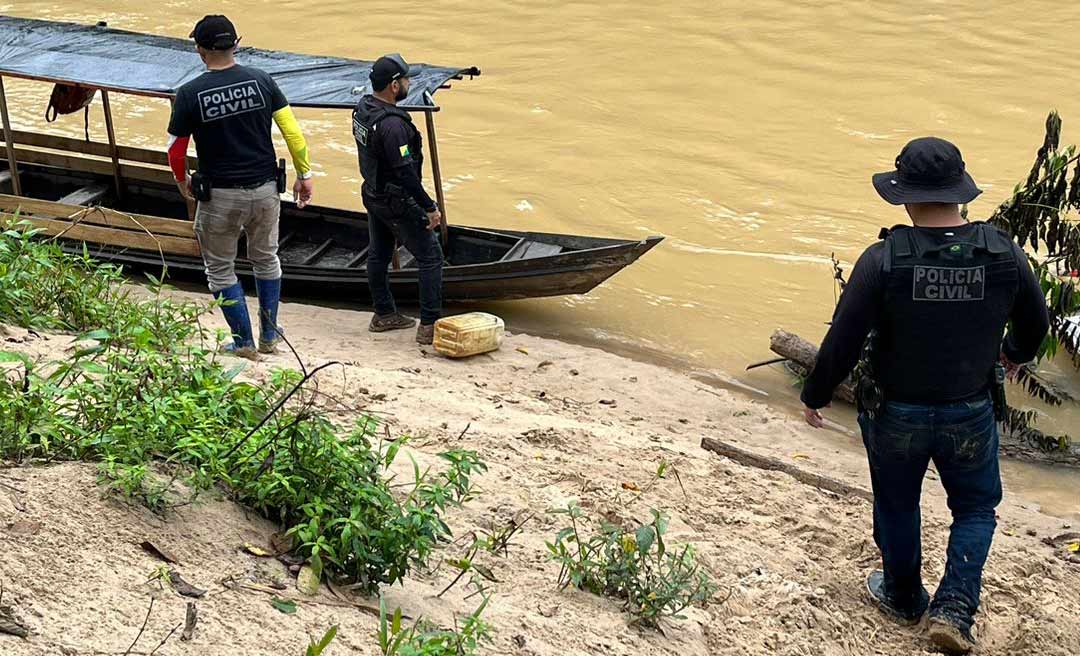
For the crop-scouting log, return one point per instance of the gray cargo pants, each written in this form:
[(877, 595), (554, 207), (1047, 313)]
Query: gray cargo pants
[(218, 223)]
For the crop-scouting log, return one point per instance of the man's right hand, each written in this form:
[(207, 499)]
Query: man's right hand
[(1011, 368), (434, 219), (185, 188)]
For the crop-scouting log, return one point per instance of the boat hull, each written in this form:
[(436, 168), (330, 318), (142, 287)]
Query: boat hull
[(323, 249)]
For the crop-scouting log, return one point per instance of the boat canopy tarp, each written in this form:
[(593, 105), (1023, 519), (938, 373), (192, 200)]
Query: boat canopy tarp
[(102, 57)]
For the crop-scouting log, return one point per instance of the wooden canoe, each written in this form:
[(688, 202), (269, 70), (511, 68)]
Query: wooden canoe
[(323, 250)]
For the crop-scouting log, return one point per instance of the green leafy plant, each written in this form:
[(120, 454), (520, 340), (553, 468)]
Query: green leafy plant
[(1041, 215), (42, 287), (286, 606), (637, 566), (144, 394), (424, 639), (317, 648), (488, 542)]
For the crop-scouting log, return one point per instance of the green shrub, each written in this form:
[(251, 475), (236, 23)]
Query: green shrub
[(143, 393), (636, 566), (41, 287), (424, 639)]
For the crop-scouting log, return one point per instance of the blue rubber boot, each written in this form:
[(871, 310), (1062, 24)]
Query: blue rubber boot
[(270, 333), (236, 315)]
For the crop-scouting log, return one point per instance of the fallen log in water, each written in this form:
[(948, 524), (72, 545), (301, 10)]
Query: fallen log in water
[(804, 354)]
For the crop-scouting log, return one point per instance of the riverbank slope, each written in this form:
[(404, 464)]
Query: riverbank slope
[(555, 422)]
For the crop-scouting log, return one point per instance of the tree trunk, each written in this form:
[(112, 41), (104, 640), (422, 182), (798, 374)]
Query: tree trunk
[(804, 354)]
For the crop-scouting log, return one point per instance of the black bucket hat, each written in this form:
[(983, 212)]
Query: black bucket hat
[(928, 170)]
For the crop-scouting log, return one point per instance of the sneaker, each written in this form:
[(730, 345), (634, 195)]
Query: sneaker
[(396, 321), (950, 635), (425, 334), (246, 352), (875, 585)]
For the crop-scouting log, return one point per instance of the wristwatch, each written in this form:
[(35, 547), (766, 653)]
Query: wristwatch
[(306, 176)]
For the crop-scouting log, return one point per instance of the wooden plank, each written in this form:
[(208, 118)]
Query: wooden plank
[(76, 163), (357, 259), (113, 237), (102, 216), (318, 252), (85, 195), (512, 254), (527, 250), (129, 153), (404, 257)]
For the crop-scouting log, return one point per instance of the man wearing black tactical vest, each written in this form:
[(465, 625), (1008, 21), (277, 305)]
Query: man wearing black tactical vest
[(389, 148), (935, 300)]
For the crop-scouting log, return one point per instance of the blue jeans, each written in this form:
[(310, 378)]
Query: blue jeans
[(962, 440), (407, 224)]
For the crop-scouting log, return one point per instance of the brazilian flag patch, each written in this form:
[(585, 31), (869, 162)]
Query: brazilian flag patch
[(405, 151)]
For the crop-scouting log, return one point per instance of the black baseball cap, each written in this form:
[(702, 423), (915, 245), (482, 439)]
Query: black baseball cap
[(215, 32), (928, 170), (388, 68)]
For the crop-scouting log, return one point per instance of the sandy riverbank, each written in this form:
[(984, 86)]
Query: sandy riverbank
[(555, 422)]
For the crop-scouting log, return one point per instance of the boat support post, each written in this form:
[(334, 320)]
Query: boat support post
[(113, 150), (436, 170), (9, 141)]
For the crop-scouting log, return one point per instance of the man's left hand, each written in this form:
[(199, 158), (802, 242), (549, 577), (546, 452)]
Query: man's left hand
[(813, 417), (434, 218), (301, 191)]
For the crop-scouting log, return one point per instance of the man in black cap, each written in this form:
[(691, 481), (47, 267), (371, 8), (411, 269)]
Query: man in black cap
[(934, 299), (229, 110), (399, 209)]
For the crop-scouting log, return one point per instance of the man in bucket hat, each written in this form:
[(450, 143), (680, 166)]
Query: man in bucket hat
[(934, 299)]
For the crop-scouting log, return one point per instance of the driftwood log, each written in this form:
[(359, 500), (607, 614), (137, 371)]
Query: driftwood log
[(804, 354), (750, 459)]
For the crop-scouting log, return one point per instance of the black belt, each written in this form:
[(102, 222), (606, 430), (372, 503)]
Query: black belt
[(237, 185)]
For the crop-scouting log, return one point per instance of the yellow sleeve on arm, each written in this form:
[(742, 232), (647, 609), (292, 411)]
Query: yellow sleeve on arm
[(294, 139)]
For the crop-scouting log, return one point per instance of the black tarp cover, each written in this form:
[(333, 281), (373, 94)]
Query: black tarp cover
[(156, 65)]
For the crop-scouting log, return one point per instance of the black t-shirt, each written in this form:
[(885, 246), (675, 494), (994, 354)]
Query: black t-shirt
[(230, 112)]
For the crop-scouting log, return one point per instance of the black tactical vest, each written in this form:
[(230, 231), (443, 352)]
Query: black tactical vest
[(366, 117), (946, 304)]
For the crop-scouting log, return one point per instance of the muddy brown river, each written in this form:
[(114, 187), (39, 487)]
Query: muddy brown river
[(744, 132)]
